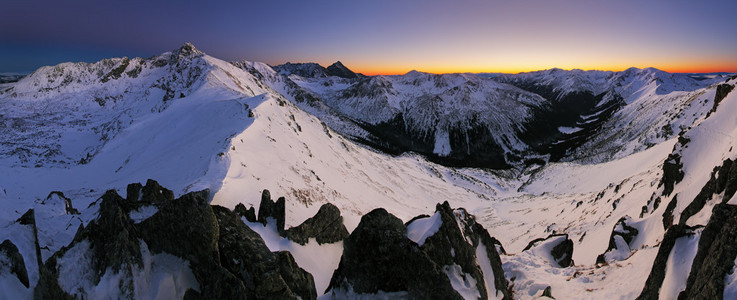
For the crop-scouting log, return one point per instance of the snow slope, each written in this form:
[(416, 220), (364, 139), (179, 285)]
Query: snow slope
[(194, 122)]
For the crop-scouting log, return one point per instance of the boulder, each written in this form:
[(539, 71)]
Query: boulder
[(326, 227), (559, 246), (619, 241)]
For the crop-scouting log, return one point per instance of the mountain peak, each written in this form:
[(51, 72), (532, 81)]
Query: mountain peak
[(187, 49), (340, 70)]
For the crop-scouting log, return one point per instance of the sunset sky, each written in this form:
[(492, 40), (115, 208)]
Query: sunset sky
[(382, 37)]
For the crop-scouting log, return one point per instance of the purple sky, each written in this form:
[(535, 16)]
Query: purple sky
[(381, 36)]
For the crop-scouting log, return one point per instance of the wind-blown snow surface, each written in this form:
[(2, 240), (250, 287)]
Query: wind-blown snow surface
[(227, 130)]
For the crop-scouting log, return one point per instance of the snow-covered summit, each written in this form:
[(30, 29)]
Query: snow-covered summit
[(455, 116), (61, 115)]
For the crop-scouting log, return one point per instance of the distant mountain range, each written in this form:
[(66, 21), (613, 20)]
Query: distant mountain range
[(153, 178)]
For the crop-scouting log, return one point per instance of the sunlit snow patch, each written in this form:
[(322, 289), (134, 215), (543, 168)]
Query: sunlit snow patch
[(421, 229), (462, 282), (485, 264)]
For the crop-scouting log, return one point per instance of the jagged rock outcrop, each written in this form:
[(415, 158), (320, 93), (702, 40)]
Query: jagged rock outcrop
[(715, 256), (723, 179), (299, 281), (730, 187), (11, 261), (326, 227), (378, 256), (270, 209), (265, 274), (668, 213), (722, 91), (249, 214), (672, 173), (726, 180), (226, 259), (657, 274), (450, 246), (559, 246), (338, 69), (619, 242), (154, 193)]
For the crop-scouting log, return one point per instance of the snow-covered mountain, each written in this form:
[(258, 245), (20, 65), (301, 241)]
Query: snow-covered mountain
[(313, 70), (455, 119), (637, 199)]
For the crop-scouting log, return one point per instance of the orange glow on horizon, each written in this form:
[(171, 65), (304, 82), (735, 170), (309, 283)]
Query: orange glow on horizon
[(675, 68)]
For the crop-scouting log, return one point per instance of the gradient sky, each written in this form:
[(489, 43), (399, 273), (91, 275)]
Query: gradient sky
[(382, 37)]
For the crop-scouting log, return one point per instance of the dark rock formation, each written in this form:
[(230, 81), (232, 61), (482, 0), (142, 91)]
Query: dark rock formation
[(338, 69), (270, 209), (722, 177), (715, 256), (228, 259), (134, 192), (299, 281), (16, 265), (155, 193), (547, 292), (672, 173), (562, 252), (492, 244), (622, 230), (668, 213), (378, 256), (657, 273), (448, 246), (722, 91), (264, 274), (249, 214), (730, 186), (326, 227)]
